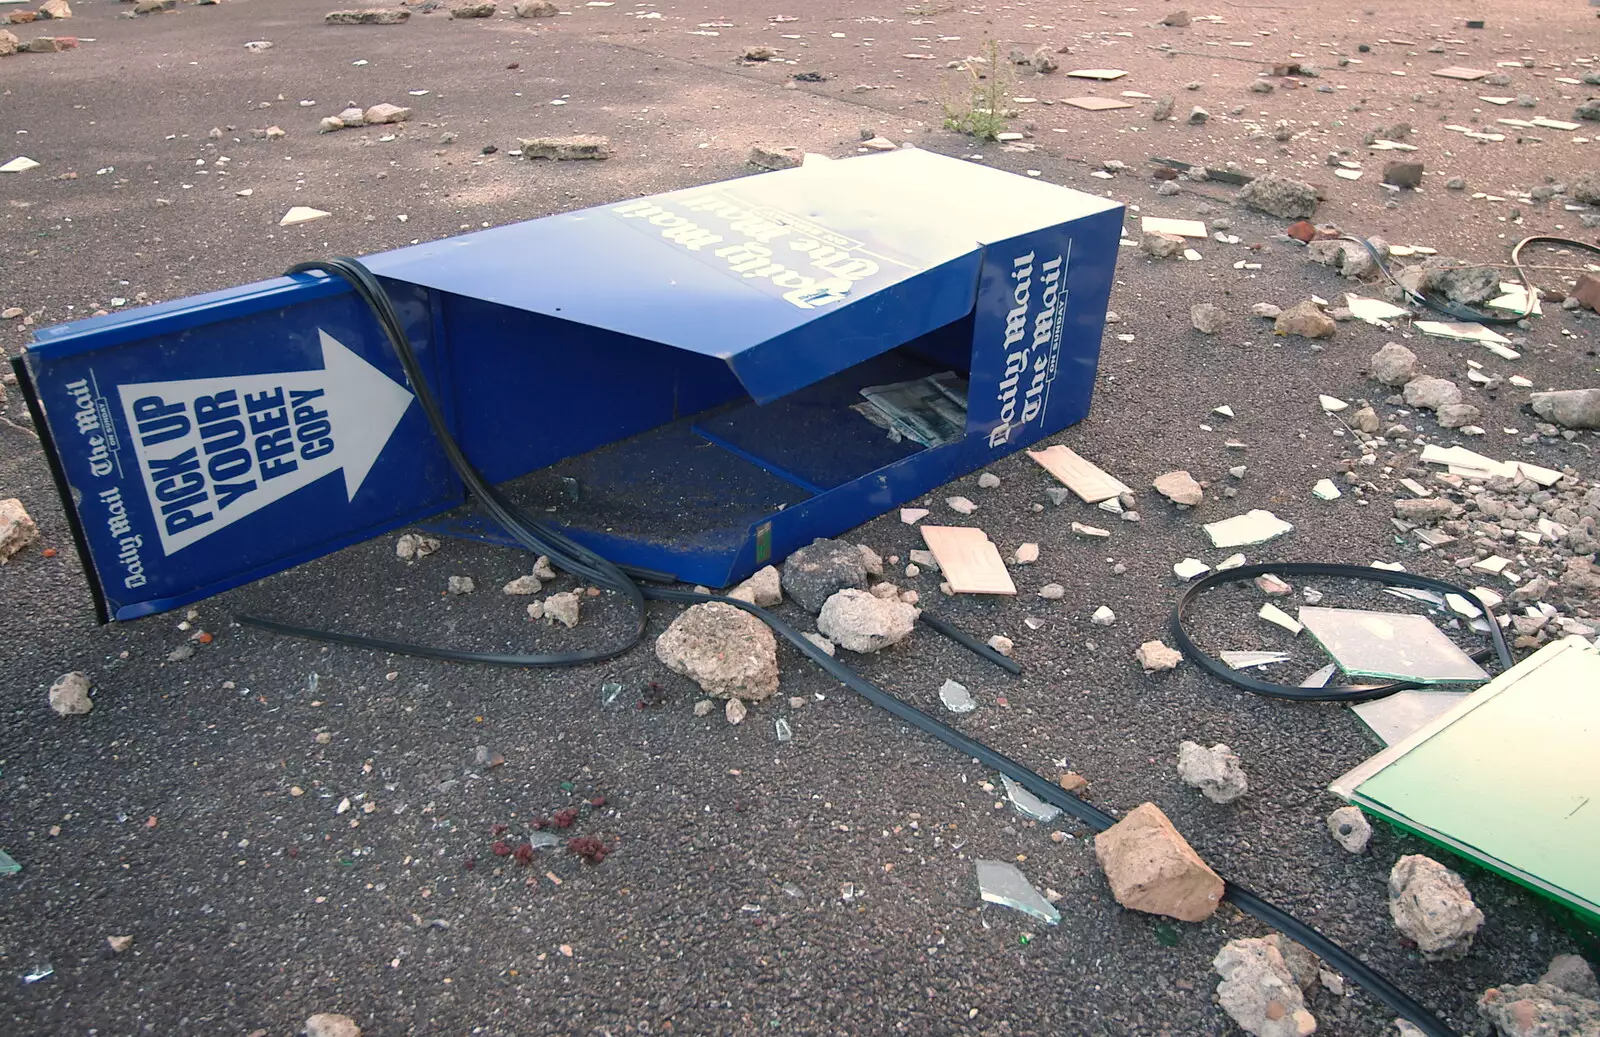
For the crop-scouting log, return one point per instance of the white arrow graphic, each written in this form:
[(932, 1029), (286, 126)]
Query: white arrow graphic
[(213, 450)]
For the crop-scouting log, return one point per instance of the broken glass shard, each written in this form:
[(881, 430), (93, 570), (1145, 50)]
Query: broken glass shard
[(1166, 935), (956, 698), (1390, 644), (1415, 594), (1253, 527), (610, 692), (784, 731), (42, 972), (8, 866), (1319, 678), (1003, 883), (1276, 616), (1245, 660), (1027, 804), (544, 840), (1396, 716)]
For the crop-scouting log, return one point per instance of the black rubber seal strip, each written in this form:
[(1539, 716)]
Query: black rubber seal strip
[(1338, 693)]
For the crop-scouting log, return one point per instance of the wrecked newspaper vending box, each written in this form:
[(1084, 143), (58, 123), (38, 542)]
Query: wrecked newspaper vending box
[(695, 383)]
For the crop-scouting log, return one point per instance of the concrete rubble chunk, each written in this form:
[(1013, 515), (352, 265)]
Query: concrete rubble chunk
[(1156, 657), (859, 622), (1423, 510), (1570, 408), (460, 585), (722, 648), (1216, 771), (1161, 246), (767, 156), (50, 44), (1280, 196), (69, 695), (1431, 906), (734, 711), (1303, 965), (1539, 1010), (535, 9), (562, 608), (477, 10), (579, 148), (412, 546), (1272, 586), (1207, 318), (328, 1024), (1393, 365), (1266, 310), (1350, 829), (17, 529), (1585, 187), (1152, 868), (764, 588), (1180, 488), (1456, 415), (821, 569), (871, 560), (523, 585), (1571, 973), (55, 9), (1403, 174), (8, 43), (330, 124), (1348, 257), (367, 16), (1429, 393), (1464, 284), (820, 641), (1305, 319), (1073, 782), (381, 114), (1259, 992), (353, 117)]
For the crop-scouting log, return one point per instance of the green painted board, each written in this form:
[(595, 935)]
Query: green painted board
[(1509, 778)]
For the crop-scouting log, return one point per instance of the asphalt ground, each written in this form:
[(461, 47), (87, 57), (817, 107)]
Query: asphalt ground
[(819, 886)]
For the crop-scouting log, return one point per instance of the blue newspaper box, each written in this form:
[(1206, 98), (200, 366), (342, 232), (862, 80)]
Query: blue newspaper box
[(695, 383)]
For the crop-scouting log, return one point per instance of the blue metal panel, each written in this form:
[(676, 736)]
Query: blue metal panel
[(755, 271), (176, 469), (563, 388), (207, 442)]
